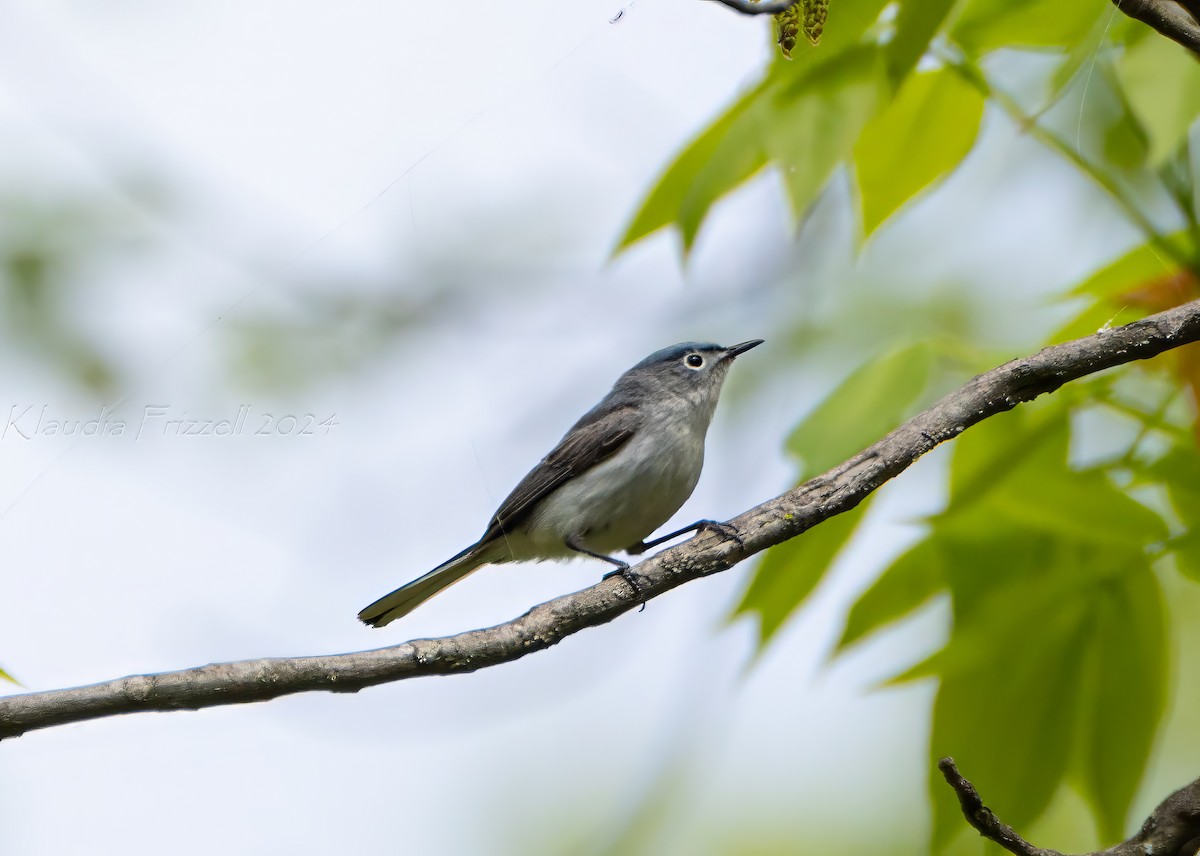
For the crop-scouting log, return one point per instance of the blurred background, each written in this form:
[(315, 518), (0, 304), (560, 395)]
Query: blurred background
[(383, 236)]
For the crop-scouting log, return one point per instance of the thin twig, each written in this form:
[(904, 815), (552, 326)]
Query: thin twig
[(983, 819), (1168, 17), (1172, 829), (749, 7), (836, 491)]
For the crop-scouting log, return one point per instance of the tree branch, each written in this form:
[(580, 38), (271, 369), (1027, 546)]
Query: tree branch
[(1172, 829), (784, 517), (750, 7), (982, 818), (1172, 19)]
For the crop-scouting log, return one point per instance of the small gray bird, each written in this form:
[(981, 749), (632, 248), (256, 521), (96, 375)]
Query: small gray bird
[(616, 476)]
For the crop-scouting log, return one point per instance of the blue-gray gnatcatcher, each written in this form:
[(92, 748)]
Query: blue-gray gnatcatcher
[(616, 476)]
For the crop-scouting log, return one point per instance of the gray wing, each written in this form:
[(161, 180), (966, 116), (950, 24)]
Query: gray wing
[(591, 440)]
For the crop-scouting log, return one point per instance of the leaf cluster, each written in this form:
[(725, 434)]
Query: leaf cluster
[(1050, 559), (1056, 665), (894, 95)]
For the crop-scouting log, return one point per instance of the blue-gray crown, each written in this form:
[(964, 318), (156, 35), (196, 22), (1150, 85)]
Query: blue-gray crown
[(675, 353)]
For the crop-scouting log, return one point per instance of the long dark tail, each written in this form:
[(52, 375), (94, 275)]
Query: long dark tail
[(411, 595)]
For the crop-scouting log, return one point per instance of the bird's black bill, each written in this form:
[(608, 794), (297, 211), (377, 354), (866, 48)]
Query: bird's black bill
[(733, 350)]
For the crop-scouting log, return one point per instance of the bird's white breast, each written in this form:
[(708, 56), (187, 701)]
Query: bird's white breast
[(620, 501)]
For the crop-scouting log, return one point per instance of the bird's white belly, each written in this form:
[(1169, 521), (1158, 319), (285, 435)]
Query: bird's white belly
[(620, 501)]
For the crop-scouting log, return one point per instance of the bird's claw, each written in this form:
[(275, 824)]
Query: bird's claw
[(728, 530), (630, 580)]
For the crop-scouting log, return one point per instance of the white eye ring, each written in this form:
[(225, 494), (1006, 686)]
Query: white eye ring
[(694, 361)]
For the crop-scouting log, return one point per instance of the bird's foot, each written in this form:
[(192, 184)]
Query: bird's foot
[(728, 530), (619, 572), (631, 580)]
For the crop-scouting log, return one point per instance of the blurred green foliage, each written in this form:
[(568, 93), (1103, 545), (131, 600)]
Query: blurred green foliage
[(1058, 648), (46, 245), (876, 98), (921, 136), (323, 332), (869, 403), (1057, 665)]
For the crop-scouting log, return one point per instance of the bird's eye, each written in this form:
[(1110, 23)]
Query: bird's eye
[(694, 361)]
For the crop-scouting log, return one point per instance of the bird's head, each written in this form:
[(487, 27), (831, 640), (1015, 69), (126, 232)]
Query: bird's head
[(693, 371)]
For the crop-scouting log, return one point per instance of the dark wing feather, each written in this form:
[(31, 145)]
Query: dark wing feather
[(591, 440)]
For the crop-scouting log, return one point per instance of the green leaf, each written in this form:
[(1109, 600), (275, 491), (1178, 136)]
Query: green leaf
[(1083, 693), (1193, 156), (1179, 472), (5, 676), (1025, 574), (1177, 178), (1055, 609), (807, 123), (908, 583), (847, 22), (921, 136), (985, 25), (994, 449), (1124, 139), (1187, 553), (1130, 270), (1014, 573), (1161, 82), (917, 22), (1015, 473), (1100, 315), (790, 571), (1137, 267), (868, 404), (1082, 52), (1125, 697), (1050, 579), (815, 120), (727, 153), (1018, 683), (872, 401), (1084, 505), (1040, 604), (1009, 721)]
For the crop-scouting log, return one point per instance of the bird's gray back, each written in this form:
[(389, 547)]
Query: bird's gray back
[(621, 500), (621, 470)]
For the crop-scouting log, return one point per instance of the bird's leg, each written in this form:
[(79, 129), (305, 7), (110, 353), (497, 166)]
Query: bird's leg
[(573, 543), (725, 529)]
